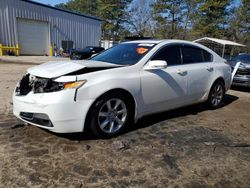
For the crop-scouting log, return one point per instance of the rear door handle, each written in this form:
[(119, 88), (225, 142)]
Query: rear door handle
[(209, 68), (182, 72)]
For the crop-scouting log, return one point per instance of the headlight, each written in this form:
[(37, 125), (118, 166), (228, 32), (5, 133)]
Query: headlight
[(44, 85), (48, 85)]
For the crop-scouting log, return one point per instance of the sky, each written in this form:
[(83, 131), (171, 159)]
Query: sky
[(51, 2)]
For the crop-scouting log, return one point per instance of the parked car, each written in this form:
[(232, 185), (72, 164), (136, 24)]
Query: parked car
[(242, 76), (115, 88), (85, 53)]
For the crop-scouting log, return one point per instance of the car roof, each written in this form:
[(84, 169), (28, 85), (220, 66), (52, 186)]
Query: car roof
[(172, 41), (157, 41), (148, 41)]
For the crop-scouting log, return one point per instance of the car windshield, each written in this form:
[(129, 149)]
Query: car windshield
[(245, 58), (124, 54)]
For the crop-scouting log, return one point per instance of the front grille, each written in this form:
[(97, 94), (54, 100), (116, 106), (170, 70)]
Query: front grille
[(243, 72), (239, 81)]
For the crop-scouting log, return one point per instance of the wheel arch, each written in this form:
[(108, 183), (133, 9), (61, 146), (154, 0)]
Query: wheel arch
[(219, 79), (208, 101), (125, 92)]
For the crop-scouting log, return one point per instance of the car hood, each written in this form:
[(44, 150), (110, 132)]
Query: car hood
[(54, 69)]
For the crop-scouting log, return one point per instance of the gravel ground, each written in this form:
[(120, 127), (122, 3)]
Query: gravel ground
[(32, 60), (188, 147)]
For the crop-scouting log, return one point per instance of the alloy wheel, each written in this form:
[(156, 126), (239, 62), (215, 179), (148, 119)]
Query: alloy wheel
[(112, 115), (217, 95)]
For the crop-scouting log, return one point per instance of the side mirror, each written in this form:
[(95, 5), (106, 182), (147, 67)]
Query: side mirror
[(156, 64)]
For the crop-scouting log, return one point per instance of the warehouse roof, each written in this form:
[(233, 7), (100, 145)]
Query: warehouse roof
[(219, 41), (71, 12)]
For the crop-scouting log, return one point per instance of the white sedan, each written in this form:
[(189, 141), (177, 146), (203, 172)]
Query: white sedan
[(115, 88)]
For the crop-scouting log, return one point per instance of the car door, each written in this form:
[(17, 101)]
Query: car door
[(164, 89), (200, 67)]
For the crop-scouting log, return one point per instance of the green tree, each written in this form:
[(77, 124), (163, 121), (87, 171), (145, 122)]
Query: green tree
[(112, 12), (211, 18), (174, 18), (80, 6), (182, 19), (168, 14), (240, 23), (139, 19), (188, 19)]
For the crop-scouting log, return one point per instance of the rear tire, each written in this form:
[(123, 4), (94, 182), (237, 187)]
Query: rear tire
[(216, 95), (110, 115)]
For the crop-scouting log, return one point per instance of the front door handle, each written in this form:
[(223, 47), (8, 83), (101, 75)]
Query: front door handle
[(209, 68), (182, 72)]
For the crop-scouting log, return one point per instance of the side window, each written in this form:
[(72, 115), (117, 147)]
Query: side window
[(171, 54), (192, 55), (195, 55), (207, 56)]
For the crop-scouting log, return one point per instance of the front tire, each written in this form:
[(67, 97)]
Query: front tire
[(110, 115), (216, 95)]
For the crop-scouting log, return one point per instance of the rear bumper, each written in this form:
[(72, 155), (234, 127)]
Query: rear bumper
[(241, 81), (59, 108)]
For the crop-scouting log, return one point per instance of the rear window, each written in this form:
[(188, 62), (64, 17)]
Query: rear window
[(207, 56), (195, 55)]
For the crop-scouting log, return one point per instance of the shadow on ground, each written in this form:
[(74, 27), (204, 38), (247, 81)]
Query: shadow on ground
[(243, 89), (153, 119)]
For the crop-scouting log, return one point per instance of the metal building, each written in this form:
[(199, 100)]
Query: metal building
[(37, 28)]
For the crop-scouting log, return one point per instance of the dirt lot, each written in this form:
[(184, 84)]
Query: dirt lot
[(30, 59), (190, 147)]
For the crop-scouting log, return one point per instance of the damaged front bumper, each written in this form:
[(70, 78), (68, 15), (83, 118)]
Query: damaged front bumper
[(55, 111)]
